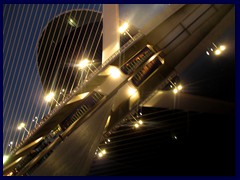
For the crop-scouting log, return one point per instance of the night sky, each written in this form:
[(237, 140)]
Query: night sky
[(208, 77)]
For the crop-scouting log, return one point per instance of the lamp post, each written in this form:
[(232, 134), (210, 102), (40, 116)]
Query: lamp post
[(22, 126), (35, 120), (124, 29), (10, 145), (84, 65), (62, 92), (49, 97), (138, 123), (177, 88), (218, 50)]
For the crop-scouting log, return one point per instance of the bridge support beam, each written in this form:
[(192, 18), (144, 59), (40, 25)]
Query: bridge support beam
[(111, 37)]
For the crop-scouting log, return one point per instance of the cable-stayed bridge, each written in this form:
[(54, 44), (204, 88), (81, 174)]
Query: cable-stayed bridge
[(94, 101)]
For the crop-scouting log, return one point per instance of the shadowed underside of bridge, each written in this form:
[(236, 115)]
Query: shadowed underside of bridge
[(175, 41)]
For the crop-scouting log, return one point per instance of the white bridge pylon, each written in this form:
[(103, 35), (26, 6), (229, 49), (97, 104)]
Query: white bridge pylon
[(111, 35)]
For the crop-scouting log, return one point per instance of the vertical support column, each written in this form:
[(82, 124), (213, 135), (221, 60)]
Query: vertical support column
[(111, 36)]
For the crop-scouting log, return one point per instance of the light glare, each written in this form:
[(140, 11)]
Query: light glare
[(136, 125), (140, 122), (114, 72), (131, 91), (104, 151), (222, 47), (123, 28), (83, 64), (175, 91), (49, 97), (10, 174), (100, 155), (5, 158), (72, 22), (217, 52), (22, 125), (180, 87)]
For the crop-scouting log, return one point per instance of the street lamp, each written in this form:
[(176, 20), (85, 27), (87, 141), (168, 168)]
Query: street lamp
[(131, 91), (218, 50), (114, 72), (5, 158), (83, 64), (124, 29), (62, 91), (102, 152), (177, 88), (10, 145), (138, 123), (35, 120), (50, 97), (72, 22), (22, 126)]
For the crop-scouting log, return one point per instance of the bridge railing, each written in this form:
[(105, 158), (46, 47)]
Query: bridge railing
[(141, 103), (77, 89)]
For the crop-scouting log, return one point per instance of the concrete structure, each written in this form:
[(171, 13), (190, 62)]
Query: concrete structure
[(111, 36), (148, 64)]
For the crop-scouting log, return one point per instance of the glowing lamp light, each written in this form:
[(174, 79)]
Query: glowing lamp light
[(104, 151), (22, 125), (49, 97), (179, 87), (5, 158), (140, 122), (123, 28), (100, 155), (217, 52), (83, 64), (131, 91), (114, 72), (136, 125), (222, 47), (175, 91), (72, 22), (10, 174)]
